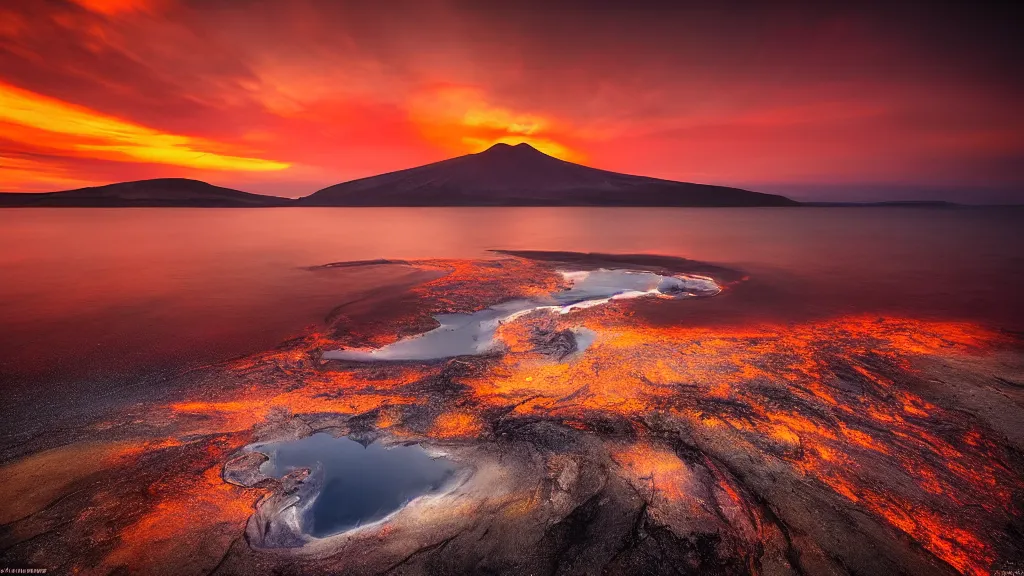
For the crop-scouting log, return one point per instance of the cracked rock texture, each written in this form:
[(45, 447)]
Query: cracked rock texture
[(843, 445)]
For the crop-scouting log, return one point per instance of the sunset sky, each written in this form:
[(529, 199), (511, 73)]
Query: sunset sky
[(288, 97)]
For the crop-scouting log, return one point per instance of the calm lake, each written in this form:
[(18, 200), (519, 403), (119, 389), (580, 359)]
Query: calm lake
[(96, 304)]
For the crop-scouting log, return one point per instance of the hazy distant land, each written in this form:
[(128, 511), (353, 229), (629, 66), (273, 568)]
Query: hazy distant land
[(502, 175)]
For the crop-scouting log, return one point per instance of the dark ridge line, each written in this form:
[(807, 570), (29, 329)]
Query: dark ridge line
[(150, 193)]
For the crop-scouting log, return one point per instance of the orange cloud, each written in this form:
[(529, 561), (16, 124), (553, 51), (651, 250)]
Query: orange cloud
[(19, 174), (36, 120), (110, 7), (460, 119), (349, 91)]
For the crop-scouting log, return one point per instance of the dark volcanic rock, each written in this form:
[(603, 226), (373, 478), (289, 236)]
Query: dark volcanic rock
[(852, 446), (244, 469), (556, 344), (278, 520)]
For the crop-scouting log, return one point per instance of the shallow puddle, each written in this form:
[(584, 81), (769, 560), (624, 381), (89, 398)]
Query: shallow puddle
[(360, 484), (471, 334)]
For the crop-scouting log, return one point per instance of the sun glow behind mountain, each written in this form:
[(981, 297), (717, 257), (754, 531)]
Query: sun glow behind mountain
[(461, 120), (283, 98)]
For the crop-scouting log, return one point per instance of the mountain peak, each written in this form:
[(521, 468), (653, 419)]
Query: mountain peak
[(517, 174), (503, 148)]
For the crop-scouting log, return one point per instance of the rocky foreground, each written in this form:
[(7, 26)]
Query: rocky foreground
[(849, 445)]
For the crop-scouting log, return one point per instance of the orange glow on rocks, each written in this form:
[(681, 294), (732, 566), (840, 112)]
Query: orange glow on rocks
[(658, 468), (33, 482), (184, 509), (633, 371), (467, 287), (456, 425), (702, 424), (339, 393)]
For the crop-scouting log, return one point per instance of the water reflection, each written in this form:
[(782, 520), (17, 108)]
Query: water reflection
[(95, 301), (361, 484), (471, 334)]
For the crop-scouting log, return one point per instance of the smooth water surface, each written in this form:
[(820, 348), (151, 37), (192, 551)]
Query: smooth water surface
[(361, 484), (96, 303), (471, 334)]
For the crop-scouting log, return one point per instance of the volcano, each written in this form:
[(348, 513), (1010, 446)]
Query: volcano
[(521, 175)]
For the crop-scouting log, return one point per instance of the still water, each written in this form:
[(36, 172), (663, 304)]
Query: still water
[(97, 303), (359, 484)]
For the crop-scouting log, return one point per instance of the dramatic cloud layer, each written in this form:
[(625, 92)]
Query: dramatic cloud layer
[(288, 97)]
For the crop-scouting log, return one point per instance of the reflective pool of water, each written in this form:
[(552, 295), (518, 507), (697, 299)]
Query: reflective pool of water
[(471, 334), (360, 484)]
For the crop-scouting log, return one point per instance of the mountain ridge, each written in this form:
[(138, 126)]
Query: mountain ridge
[(502, 175), (521, 175), (154, 192)]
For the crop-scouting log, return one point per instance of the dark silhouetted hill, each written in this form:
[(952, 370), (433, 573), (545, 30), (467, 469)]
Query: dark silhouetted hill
[(521, 175), (159, 192)]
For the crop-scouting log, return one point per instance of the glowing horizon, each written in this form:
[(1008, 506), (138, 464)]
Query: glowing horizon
[(287, 99)]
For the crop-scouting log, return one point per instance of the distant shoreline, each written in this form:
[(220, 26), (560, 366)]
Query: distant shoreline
[(503, 176), (292, 205)]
